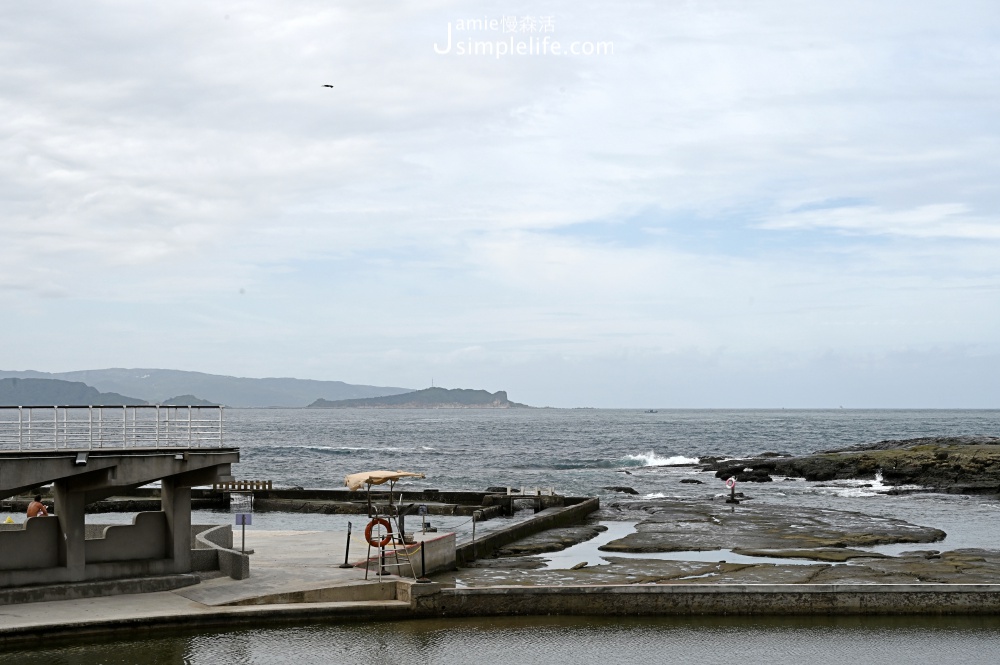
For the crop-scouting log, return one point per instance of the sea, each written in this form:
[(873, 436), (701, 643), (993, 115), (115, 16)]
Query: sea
[(585, 452)]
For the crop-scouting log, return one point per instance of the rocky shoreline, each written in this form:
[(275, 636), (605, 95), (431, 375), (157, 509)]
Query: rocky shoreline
[(954, 465), (831, 540)]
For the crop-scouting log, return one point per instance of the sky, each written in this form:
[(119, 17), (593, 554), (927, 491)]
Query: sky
[(722, 203)]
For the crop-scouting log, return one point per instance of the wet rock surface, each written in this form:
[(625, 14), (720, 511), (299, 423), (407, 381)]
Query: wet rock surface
[(955, 567), (962, 464), (829, 538), (552, 540), (620, 488), (834, 554), (675, 526)]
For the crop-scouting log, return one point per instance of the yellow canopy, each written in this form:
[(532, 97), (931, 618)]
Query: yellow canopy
[(356, 481)]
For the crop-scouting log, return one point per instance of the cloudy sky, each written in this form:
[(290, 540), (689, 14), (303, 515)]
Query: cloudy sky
[(713, 203)]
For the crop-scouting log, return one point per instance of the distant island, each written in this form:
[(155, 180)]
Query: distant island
[(158, 386), (429, 398), (55, 392), (187, 400), (116, 387), (52, 392)]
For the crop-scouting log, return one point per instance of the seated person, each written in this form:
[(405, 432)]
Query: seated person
[(36, 508)]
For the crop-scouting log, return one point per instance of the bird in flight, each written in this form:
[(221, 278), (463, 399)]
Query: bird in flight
[(327, 85)]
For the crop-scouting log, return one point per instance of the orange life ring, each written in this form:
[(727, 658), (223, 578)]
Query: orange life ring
[(731, 482), (388, 533)]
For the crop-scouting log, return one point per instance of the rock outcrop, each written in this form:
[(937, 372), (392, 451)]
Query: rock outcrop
[(959, 465)]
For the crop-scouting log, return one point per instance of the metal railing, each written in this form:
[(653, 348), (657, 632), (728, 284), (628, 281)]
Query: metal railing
[(93, 427)]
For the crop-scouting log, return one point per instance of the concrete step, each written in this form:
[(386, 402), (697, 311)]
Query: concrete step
[(77, 590), (367, 591)]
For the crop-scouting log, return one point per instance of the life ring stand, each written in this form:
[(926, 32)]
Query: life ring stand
[(388, 532), (730, 483)]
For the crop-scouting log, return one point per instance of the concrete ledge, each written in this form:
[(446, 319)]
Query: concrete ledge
[(550, 518), (33, 545), (220, 539), (431, 600), (204, 560), (144, 539), (225, 617), (234, 564), (214, 537), (438, 554), (339, 593), (38, 594), (747, 599)]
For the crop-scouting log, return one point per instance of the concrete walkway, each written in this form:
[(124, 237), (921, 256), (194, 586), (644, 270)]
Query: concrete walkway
[(285, 564)]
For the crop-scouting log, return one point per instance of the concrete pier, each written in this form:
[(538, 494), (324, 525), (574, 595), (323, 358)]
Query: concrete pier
[(49, 550)]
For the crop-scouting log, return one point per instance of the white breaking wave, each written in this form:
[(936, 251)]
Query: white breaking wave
[(652, 459), (866, 488)]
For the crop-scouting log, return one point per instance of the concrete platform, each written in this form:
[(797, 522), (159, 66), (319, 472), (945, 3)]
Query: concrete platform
[(285, 563), (295, 575)]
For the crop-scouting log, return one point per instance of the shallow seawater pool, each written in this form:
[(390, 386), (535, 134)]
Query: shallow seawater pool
[(590, 552), (559, 640)]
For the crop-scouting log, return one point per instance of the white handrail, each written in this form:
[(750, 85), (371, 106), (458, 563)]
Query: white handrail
[(75, 427)]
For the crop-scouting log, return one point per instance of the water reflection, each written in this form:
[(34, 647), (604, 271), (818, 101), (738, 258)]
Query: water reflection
[(576, 641)]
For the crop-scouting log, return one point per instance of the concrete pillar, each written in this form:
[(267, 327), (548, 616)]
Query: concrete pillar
[(175, 501), (70, 509)]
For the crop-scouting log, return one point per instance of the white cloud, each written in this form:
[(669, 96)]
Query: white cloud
[(424, 211), (948, 220)]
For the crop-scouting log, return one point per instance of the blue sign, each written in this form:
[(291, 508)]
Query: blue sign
[(244, 519)]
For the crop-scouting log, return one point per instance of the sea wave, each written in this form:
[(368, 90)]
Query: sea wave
[(652, 459), (350, 450), (568, 464), (649, 459)]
